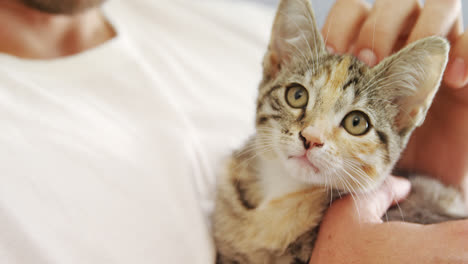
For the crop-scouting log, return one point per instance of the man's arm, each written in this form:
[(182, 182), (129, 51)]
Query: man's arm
[(353, 232)]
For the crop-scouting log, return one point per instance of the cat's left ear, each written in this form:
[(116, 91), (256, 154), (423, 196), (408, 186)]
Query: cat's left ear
[(411, 78), (294, 33)]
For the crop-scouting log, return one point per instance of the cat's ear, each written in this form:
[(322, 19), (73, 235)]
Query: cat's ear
[(294, 33), (411, 78)]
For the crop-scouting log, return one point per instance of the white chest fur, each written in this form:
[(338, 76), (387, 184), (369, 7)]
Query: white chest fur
[(275, 181), (289, 208)]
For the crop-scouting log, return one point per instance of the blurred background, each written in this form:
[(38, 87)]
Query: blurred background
[(321, 8)]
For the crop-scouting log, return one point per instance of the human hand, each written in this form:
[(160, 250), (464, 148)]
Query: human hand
[(440, 147), (353, 232)]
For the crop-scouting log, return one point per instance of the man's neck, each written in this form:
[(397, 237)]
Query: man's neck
[(28, 33)]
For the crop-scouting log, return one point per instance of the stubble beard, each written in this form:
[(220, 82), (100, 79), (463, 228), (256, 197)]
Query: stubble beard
[(64, 7)]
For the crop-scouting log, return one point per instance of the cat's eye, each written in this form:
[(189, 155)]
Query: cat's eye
[(356, 123), (297, 96)]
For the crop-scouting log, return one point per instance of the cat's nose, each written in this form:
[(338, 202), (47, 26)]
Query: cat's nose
[(311, 137)]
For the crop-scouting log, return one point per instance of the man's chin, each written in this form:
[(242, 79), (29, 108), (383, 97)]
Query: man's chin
[(62, 7)]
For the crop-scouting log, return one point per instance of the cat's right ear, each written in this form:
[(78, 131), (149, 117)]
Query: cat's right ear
[(294, 33)]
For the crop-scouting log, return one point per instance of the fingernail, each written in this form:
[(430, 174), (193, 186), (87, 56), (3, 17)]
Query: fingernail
[(456, 74), (330, 49), (368, 57)]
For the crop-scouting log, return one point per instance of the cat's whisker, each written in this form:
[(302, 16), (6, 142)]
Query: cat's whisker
[(246, 162), (354, 179), (366, 181), (257, 144), (331, 192), (396, 203), (361, 174), (350, 191), (250, 150), (328, 186), (385, 182), (255, 149)]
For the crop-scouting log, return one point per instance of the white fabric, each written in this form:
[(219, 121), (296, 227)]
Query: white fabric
[(110, 156)]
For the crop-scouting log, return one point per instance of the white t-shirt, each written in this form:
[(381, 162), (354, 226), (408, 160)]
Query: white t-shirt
[(110, 156)]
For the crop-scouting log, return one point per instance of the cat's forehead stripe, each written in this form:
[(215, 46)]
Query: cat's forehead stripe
[(338, 76)]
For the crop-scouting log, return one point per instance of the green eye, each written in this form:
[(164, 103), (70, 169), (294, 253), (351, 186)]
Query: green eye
[(297, 96), (356, 123)]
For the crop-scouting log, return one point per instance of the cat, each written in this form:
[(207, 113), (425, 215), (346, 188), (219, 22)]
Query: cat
[(326, 125)]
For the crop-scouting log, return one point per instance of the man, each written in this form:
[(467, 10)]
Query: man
[(114, 120)]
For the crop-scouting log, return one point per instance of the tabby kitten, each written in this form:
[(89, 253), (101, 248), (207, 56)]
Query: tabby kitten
[(325, 123)]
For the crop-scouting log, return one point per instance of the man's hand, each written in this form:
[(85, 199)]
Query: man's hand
[(352, 232)]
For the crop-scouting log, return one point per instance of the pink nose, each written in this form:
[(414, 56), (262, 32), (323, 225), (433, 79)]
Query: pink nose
[(311, 137)]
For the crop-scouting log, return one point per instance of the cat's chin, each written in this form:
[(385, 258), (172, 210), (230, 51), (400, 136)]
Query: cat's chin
[(305, 163), (302, 169)]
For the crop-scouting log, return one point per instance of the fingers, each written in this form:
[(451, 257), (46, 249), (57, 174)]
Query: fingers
[(371, 207), (390, 24), (457, 29), (375, 204), (438, 17), (456, 75), (343, 24), (382, 28)]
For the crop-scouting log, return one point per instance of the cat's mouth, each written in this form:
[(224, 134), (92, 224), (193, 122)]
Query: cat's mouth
[(304, 161)]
